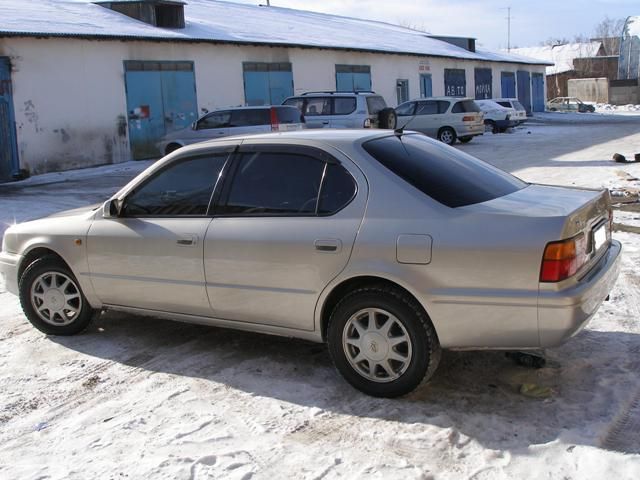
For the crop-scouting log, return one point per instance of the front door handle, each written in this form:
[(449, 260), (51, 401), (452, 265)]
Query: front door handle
[(187, 241), (328, 245)]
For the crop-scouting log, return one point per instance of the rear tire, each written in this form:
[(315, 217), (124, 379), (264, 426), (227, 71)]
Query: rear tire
[(387, 118), (447, 135), (382, 342), (465, 139), (51, 298)]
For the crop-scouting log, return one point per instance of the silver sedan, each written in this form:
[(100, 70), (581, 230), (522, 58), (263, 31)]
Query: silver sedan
[(387, 246)]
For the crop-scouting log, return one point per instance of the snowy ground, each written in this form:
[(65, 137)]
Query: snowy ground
[(145, 398)]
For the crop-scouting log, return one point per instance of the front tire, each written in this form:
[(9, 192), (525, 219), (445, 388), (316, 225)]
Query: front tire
[(51, 298), (382, 342)]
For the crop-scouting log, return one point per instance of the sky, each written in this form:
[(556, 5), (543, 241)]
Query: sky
[(532, 22)]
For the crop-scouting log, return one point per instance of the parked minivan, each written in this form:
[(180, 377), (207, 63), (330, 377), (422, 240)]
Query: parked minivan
[(361, 109), (446, 118), (234, 121)]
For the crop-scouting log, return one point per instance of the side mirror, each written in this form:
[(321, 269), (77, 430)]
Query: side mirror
[(111, 209)]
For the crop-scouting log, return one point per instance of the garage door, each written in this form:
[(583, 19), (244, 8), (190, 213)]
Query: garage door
[(8, 149), (508, 84), (537, 92), (161, 98), (267, 83), (455, 82), (524, 89), (483, 80)]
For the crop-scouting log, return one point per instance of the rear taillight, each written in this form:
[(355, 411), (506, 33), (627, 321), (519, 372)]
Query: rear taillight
[(367, 123), (275, 123), (468, 118), (563, 259)]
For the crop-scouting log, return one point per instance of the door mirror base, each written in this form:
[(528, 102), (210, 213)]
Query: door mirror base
[(111, 208)]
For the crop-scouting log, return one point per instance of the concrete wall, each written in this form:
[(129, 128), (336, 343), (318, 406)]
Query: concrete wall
[(589, 89), (624, 94), (70, 99)]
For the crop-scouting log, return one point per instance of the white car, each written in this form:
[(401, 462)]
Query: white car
[(521, 112), (446, 118), (496, 117)]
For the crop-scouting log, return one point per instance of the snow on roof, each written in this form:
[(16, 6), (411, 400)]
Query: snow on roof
[(560, 55), (218, 21), (632, 27)]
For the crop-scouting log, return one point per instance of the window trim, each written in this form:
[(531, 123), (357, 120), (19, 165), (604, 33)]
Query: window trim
[(222, 198), (228, 150)]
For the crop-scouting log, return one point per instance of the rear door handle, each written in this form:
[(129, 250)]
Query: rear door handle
[(328, 245)]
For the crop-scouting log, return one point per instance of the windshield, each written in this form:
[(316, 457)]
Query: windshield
[(445, 174)]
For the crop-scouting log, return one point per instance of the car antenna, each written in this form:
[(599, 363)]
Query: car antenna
[(400, 131)]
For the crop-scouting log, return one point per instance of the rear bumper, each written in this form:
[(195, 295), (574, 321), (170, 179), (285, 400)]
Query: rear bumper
[(470, 130), (564, 313), (9, 270), (506, 123)]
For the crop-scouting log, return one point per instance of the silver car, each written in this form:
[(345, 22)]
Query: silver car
[(234, 121), (388, 246)]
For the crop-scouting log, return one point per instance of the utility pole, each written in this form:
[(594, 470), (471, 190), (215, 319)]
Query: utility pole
[(508, 28)]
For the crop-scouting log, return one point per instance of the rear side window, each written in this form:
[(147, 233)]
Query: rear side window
[(445, 174), (465, 106), (375, 103), (295, 102), (250, 117), (182, 189), (338, 188), (275, 183), (344, 105), (289, 115)]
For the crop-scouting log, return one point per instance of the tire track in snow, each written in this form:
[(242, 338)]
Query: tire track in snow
[(623, 435)]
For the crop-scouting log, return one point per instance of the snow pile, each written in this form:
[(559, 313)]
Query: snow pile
[(605, 107)]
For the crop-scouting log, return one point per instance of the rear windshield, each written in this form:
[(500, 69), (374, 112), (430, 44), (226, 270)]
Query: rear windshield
[(375, 104), (289, 115), (445, 174), (465, 106), (517, 105)]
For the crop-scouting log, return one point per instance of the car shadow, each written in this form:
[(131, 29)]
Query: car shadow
[(475, 393)]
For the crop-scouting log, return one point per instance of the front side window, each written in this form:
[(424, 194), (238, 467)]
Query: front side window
[(405, 109), (445, 174), (183, 188), (214, 120), (276, 184)]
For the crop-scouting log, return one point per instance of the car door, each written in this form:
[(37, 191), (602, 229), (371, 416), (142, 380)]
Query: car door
[(150, 255), (426, 118), (317, 112), (212, 125), (286, 224), (342, 110)]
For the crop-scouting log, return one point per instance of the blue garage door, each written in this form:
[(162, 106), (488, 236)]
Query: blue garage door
[(524, 89), (455, 82), (426, 89), (508, 84), (161, 98), (8, 147), (484, 79), (353, 78), (537, 92), (267, 83)]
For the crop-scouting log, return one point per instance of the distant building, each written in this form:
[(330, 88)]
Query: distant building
[(574, 61), (86, 83), (629, 63)]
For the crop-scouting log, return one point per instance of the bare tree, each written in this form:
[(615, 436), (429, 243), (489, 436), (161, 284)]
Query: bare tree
[(609, 31)]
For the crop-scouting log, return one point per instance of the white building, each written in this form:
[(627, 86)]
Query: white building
[(86, 83)]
